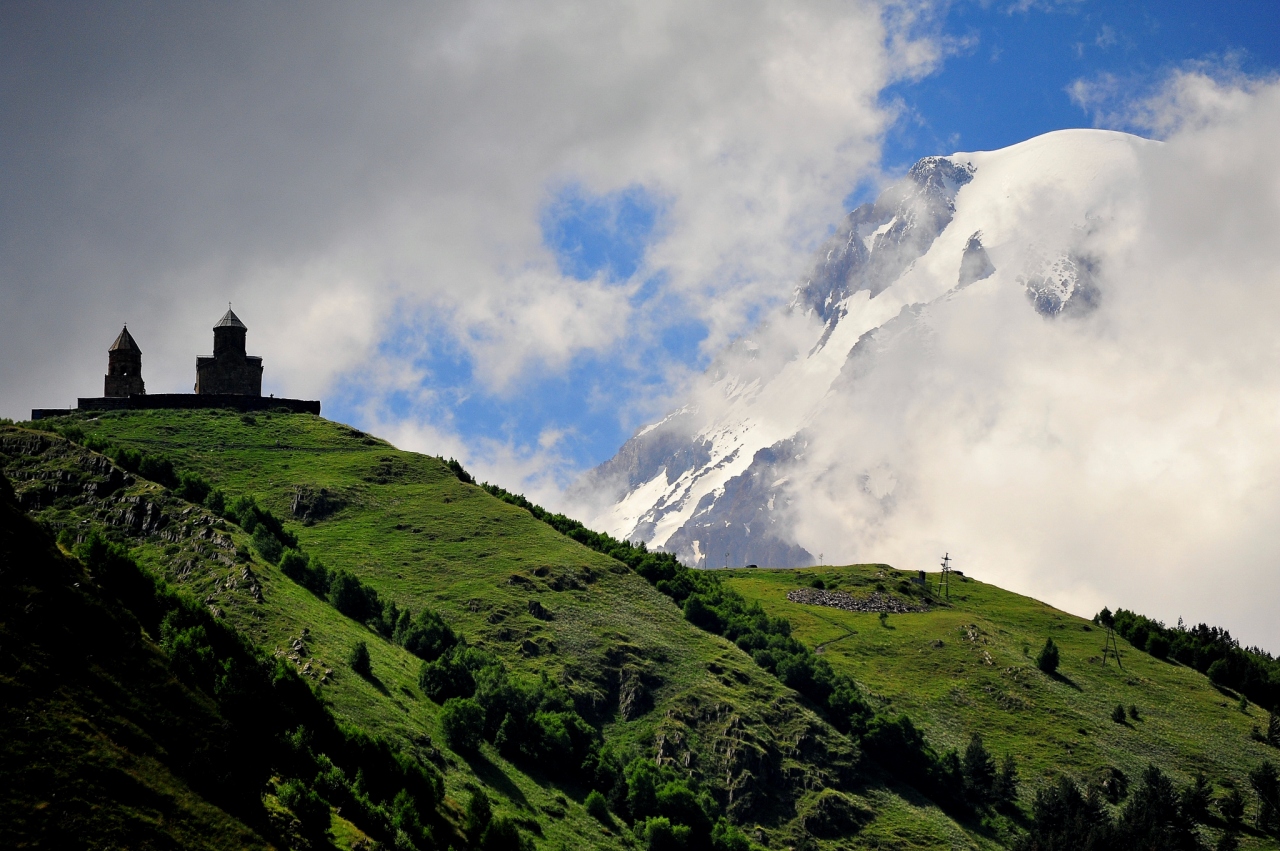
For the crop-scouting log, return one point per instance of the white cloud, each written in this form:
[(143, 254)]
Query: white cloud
[(337, 170), (1200, 93), (1129, 458)]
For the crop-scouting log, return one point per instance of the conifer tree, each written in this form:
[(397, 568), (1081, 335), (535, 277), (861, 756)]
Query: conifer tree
[(1047, 658), (979, 771)]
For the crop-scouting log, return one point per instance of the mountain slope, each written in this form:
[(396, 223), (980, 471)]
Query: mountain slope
[(802, 435), (406, 526), (970, 665), (669, 694), (92, 714)]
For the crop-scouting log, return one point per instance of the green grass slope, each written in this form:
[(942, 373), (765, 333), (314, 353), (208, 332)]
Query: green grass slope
[(968, 666), (405, 525)]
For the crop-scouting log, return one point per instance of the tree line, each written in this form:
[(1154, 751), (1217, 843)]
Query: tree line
[(1210, 650)]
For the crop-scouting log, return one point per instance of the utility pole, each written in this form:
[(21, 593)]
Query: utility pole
[(944, 584), (1109, 644)]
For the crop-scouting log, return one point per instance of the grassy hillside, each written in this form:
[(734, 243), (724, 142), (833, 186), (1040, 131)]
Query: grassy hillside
[(133, 719), (968, 666), (672, 702), (406, 526)]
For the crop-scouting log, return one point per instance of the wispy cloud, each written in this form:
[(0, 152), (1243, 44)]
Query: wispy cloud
[(1198, 93)]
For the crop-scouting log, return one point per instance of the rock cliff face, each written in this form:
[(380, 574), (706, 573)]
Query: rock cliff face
[(717, 480)]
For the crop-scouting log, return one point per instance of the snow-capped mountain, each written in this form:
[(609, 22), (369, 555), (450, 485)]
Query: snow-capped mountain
[(1005, 236)]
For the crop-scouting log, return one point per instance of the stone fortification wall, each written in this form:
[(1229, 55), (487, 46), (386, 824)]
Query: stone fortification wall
[(236, 402)]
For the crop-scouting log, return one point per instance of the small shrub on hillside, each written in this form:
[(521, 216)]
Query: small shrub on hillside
[(1133, 712), (308, 572), (455, 467), (444, 678), (192, 487), (1047, 658), (478, 816), (659, 834), (727, 837), (311, 810), (157, 469), (359, 660), (462, 723), (406, 821), (503, 835), (1117, 714), (1231, 807), (267, 545), (354, 599), (817, 583), (426, 636), (216, 502), (597, 807), (1113, 785)]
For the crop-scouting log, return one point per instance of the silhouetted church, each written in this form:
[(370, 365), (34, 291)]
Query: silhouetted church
[(230, 370), (230, 378)]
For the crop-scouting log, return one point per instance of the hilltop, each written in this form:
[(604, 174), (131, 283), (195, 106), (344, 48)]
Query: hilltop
[(306, 538), (968, 664)]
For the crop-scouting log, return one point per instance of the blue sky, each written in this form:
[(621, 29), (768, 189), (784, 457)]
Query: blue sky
[(1009, 80)]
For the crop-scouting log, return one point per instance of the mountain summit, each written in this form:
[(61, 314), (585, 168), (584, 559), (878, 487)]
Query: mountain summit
[(730, 477)]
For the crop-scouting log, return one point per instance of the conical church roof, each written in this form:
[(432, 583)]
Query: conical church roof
[(230, 320), (125, 342)]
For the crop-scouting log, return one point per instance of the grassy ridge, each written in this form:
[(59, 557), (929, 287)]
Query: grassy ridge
[(969, 667)]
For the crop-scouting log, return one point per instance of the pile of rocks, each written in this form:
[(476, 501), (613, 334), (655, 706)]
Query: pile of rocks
[(874, 602)]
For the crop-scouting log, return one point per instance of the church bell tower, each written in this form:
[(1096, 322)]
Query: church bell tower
[(124, 367)]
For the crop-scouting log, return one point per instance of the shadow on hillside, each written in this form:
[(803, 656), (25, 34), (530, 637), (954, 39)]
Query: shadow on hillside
[(1065, 680), (372, 679), (495, 778)]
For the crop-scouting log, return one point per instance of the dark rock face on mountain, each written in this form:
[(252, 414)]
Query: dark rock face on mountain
[(880, 240), (1065, 286), (746, 523)]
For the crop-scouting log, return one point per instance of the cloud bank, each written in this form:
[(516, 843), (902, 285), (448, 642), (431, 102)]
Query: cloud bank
[(1130, 457), (362, 182)]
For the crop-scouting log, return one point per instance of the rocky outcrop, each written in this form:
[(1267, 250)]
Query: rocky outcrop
[(873, 602), (73, 489)]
